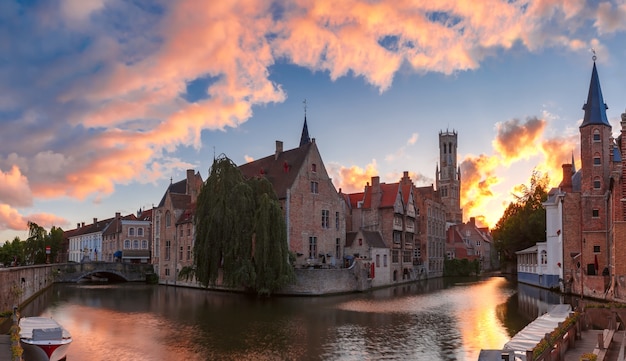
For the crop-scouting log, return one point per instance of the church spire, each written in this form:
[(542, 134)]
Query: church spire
[(595, 108), (304, 138)]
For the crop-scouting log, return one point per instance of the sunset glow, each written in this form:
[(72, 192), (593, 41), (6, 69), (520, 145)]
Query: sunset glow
[(105, 102)]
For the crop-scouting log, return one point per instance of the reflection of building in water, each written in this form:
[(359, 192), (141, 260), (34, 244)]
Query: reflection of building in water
[(534, 301)]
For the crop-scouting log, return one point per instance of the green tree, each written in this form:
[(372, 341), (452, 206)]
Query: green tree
[(34, 247), (240, 229), (12, 251), (524, 221)]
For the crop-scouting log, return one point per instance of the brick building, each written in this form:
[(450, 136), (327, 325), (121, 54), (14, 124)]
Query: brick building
[(431, 225), (448, 176), (469, 241), (127, 238), (177, 200), (390, 209), (314, 211), (586, 211)]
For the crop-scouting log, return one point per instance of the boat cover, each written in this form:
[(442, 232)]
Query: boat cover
[(532, 334), (45, 328)]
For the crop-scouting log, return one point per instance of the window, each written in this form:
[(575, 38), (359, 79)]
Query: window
[(188, 253), (140, 232), (131, 231), (406, 257), (167, 271), (313, 167), (325, 218), (595, 213), (337, 220), (168, 246), (596, 160), (181, 231), (314, 187), (596, 135), (189, 229), (478, 243), (395, 256), (312, 247), (135, 244), (384, 260), (544, 257), (180, 254), (144, 244), (378, 261), (168, 219), (126, 244), (597, 184), (397, 237), (337, 248), (596, 249)]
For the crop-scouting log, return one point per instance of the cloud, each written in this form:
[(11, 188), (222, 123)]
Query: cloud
[(98, 87), (14, 189), (515, 140), (413, 139), (11, 219), (352, 179), (478, 177)]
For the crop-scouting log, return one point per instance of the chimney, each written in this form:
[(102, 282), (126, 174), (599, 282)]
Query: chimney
[(566, 183), (117, 215), (473, 221), (279, 149), (82, 224), (77, 225), (95, 220)]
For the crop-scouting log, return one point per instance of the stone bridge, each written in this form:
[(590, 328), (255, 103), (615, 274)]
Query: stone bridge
[(112, 271)]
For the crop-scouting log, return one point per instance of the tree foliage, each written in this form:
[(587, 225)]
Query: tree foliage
[(524, 221), (33, 249), (239, 228)]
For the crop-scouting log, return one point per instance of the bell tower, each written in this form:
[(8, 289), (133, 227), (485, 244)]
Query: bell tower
[(448, 176)]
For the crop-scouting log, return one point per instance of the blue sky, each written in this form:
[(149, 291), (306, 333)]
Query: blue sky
[(102, 102)]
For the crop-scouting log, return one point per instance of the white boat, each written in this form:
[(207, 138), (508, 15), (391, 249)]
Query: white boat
[(43, 339)]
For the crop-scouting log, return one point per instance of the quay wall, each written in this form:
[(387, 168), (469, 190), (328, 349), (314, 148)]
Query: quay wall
[(20, 284)]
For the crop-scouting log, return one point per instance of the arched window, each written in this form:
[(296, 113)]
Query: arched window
[(126, 244), (135, 244), (596, 159), (544, 257), (596, 135), (131, 231), (140, 232), (168, 219), (144, 244)]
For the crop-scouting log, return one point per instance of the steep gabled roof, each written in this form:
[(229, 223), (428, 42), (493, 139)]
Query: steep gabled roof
[(353, 199), (595, 108), (280, 169), (99, 226), (180, 201), (390, 194), (179, 187)]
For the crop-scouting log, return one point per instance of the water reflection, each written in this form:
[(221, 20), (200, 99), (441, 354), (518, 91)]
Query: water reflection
[(434, 320)]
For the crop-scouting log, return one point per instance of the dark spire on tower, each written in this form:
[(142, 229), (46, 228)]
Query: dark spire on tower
[(305, 139), (595, 108)]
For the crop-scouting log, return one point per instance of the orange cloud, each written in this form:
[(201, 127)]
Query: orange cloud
[(515, 140), (477, 180), (14, 189), (351, 179), (11, 219)]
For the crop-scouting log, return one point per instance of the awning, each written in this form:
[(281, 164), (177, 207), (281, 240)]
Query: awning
[(117, 254)]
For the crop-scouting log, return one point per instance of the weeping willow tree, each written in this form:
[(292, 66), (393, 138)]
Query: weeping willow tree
[(239, 228)]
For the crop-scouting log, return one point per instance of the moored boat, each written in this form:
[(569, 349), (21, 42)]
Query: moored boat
[(43, 339)]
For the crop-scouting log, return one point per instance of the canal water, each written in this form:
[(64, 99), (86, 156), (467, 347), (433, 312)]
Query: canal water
[(439, 319)]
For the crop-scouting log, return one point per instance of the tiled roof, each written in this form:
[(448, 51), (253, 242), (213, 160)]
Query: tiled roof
[(372, 238), (115, 226), (187, 215), (99, 226), (281, 171), (179, 187), (353, 199)]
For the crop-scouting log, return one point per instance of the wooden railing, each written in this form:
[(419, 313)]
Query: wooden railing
[(554, 345)]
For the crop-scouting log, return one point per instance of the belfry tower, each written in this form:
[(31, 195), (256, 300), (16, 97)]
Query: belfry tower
[(448, 176)]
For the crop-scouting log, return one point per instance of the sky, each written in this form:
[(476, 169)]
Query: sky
[(104, 102)]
